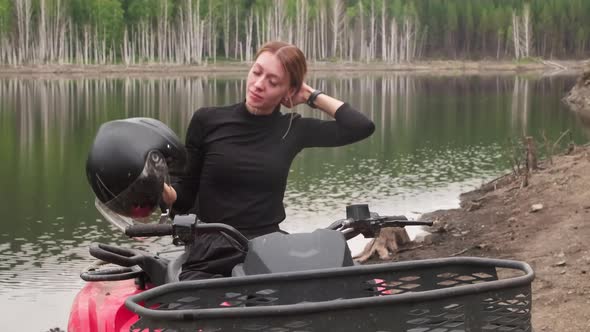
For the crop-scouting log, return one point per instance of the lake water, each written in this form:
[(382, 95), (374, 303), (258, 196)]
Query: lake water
[(436, 137)]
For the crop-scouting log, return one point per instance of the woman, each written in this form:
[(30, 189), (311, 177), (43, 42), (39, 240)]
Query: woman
[(239, 156)]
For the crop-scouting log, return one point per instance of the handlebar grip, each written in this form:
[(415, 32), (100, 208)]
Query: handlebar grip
[(145, 230), (416, 223), (403, 221)]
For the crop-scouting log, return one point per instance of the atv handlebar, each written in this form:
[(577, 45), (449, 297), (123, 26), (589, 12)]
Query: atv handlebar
[(382, 221), (400, 221), (184, 230), (145, 230), (370, 227), (359, 221)]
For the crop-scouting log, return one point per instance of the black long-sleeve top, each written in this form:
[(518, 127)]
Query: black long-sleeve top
[(238, 162)]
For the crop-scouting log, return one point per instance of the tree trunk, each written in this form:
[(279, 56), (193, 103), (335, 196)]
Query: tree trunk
[(336, 24), (351, 47), (314, 37), (210, 44), (526, 22), (499, 46), (248, 30), (372, 42), (258, 31), (237, 48), (41, 55), (394, 42), (226, 21), (23, 19), (516, 35), (362, 55), (384, 55), (125, 50)]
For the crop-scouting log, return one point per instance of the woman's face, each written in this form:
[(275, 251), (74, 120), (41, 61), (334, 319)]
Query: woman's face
[(267, 83)]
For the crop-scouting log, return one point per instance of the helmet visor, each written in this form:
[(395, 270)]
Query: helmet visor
[(117, 220), (138, 201)]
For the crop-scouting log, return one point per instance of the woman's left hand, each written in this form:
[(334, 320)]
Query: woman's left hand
[(299, 98)]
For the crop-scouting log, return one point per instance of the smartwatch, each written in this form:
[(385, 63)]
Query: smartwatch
[(312, 97)]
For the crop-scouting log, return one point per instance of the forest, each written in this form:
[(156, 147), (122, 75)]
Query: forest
[(199, 32)]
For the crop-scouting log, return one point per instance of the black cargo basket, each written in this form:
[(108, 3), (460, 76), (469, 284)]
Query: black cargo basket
[(435, 295)]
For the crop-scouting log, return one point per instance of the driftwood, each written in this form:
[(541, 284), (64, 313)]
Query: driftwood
[(387, 240), (553, 64)]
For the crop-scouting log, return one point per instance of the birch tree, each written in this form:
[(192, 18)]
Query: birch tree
[(384, 49), (372, 41), (249, 36), (521, 33), (23, 19), (337, 17)]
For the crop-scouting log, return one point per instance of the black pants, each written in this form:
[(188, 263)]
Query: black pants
[(214, 255)]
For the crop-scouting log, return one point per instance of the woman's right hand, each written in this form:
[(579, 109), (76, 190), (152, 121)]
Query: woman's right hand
[(299, 98), (169, 195)]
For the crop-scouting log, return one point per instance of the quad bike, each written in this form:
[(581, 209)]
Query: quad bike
[(300, 282)]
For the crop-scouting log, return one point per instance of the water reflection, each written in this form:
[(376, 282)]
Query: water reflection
[(434, 135), (58, 107), (430, 131)]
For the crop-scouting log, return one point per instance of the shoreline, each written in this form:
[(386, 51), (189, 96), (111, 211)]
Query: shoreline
[(544, 224), (434, 67)]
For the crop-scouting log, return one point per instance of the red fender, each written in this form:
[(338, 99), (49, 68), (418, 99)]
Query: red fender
[(100, 307)]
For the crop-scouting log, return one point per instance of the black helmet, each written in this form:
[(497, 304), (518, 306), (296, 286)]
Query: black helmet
[(128, 165)]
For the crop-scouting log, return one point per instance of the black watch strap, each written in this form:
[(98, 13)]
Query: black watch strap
[(310, 101)]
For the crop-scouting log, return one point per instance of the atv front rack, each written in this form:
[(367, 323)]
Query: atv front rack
[(460, 294)]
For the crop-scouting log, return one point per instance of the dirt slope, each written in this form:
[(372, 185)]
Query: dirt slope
[(498, 221)]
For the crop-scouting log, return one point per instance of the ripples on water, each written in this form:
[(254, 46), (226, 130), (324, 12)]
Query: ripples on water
[(372, 180), (52, 264)]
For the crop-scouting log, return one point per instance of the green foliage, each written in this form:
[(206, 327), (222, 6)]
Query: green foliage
[(397, 9), (454, 28), (527, 60), (410, 10), (5, 16), (107, 17), (352, 12), (452, 20), (81, 11), (141, 10)]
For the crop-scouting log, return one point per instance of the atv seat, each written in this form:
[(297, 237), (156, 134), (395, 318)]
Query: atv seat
[(175, 267)]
